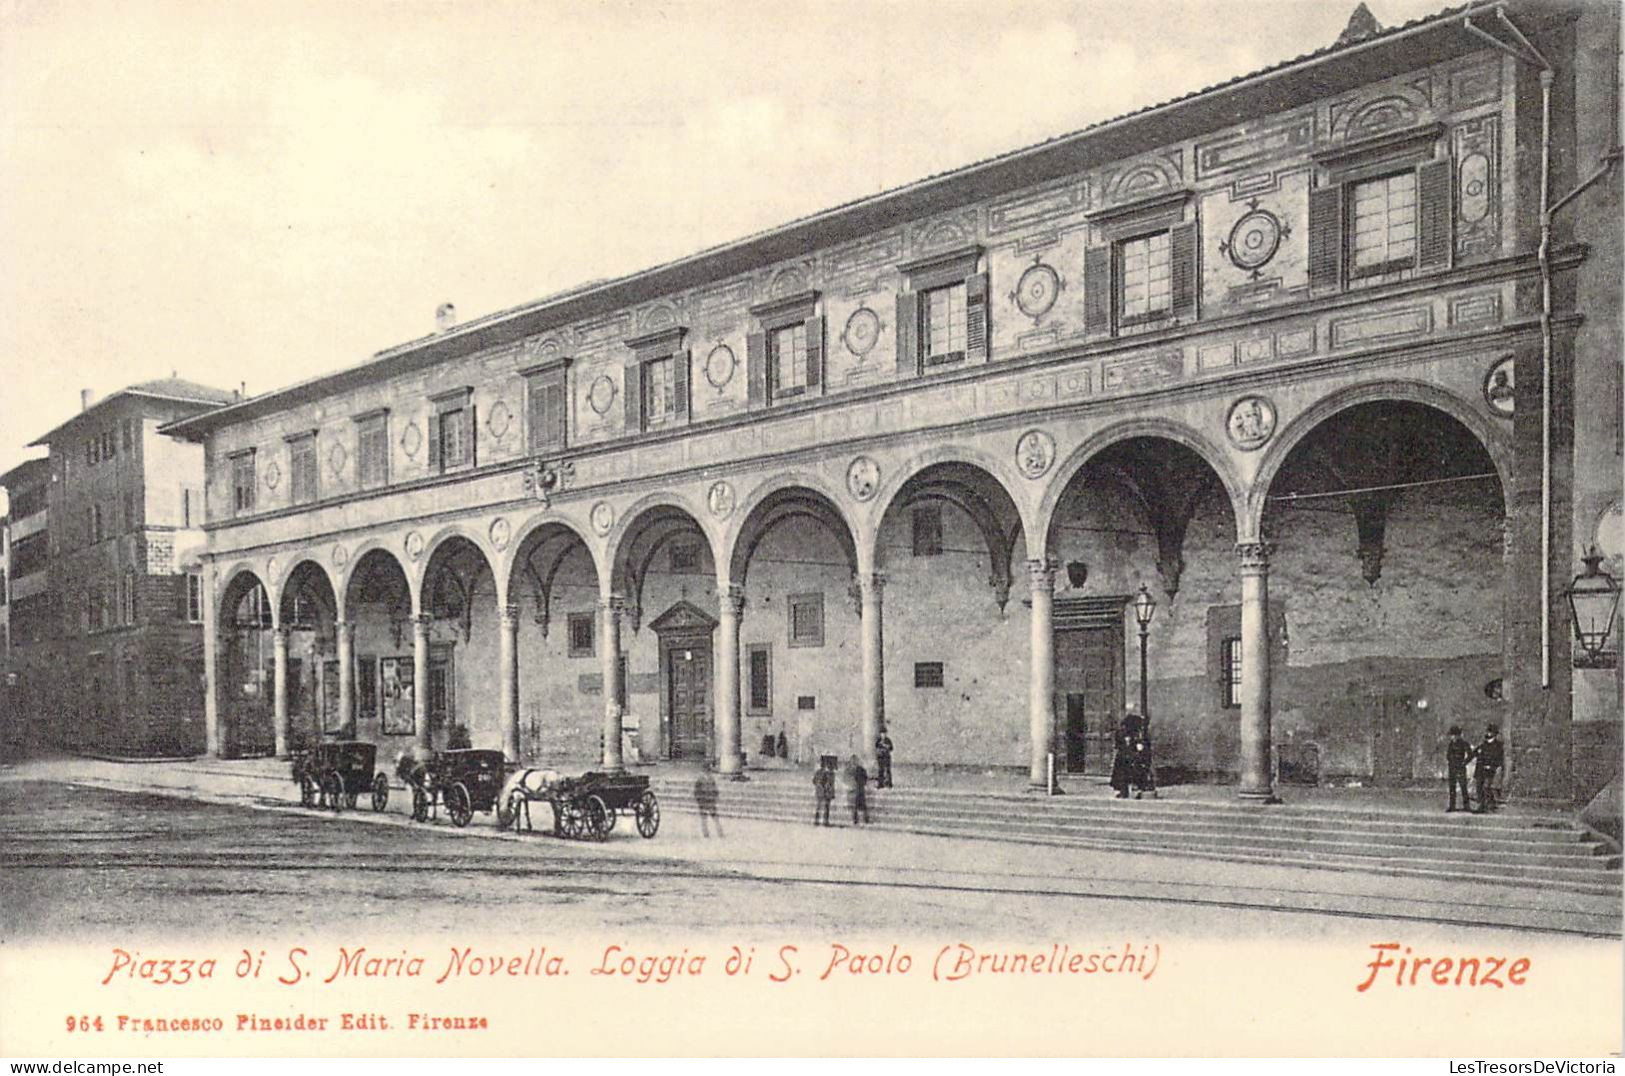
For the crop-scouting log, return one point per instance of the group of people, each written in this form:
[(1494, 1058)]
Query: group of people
[(1490, 757), (1131, 768), (855, 778)]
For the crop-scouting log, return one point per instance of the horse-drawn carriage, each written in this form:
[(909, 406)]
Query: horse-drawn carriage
[(334, 774), (585, 807), (464, 781)]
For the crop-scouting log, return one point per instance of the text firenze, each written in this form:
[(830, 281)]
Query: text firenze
[(1390, 967)]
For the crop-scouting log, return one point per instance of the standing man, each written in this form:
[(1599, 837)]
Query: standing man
[(857, 790), (705, 798), (883, 759), (823, 793), (1456, 753), (1491, 756)]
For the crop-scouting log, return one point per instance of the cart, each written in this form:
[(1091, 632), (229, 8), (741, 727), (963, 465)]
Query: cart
[(585, 807), (462, 781), (334, 774)]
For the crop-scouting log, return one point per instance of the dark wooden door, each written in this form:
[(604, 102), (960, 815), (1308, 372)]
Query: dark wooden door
[(1393, 739), (1089, 693), (688, 694)]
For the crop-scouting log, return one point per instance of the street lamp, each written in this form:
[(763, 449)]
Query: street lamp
[(1144, 609), (1593, 603)]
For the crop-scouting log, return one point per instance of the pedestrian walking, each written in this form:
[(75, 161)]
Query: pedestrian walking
[(883, 748), (857, 790), (1129, 765), (823, 793), (1457, 753), (705, 798), (1491, 755)]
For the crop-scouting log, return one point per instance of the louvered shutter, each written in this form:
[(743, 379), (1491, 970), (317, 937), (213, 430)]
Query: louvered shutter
[(632, 391), (815, 352), (756, 367), (1433, 217), (554, 413), (679, 377), (908, 334), (976, 309), (536, 416), (1097, 290), (1182, 268), (471, 455), (434, 442), (1326, 237)]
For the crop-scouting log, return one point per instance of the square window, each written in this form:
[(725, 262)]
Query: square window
[(787, 360), (685, 556), (659, 392), (1382, 224), (942, 324), (1143, 277), (372, 450), (1230, 672), (453, 438), (242, 482), (806, 619), (927, 530), (581, 629), (546, 401), (928, 674), (759, 679), (302, 469)]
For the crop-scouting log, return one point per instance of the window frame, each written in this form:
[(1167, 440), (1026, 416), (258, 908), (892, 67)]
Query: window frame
[(1230, 672), (751, 707), (459, 402), (194, 597), (771, 318), (538, 379), (923, 277), (925, 671), (776, 388), (240, 504), (573, 621), (809, 599), (1120, 283), (304, 444), (1114, 229), (375, 422), (1407, 264), (928, 324), (646, 381), (662, 345)]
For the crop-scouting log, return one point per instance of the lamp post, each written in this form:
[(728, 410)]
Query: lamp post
[(1144, 609), (1593, 603)]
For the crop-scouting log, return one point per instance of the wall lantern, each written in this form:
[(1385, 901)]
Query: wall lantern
[(1594, 603)]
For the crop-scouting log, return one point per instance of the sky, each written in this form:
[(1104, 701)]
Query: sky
[(258, 193)]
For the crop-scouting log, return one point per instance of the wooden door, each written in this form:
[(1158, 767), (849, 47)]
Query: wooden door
[(1089, 696), (1393, 739), (688, 687)]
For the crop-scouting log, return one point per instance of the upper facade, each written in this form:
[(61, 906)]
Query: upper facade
[(1283, 219)]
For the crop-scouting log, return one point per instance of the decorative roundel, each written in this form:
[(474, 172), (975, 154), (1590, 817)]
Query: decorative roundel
[(1251, 422), (863, 478), (1500, 387), (601, 394), (720, 365), (501, 531), (603, 517), (411, 440), (1035, 453), (273, 475), (862, 331), (720, 499), (414, 545), (1037, 290), (336, 458), (341, 556), (1255, 239), (500, 421), (271, 568)]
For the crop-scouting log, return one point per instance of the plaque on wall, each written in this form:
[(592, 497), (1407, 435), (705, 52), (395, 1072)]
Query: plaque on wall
[(332, 719), (395, 675)]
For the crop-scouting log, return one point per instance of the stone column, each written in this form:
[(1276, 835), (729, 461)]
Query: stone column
[(344, 633), (424, 737), (1041, 685), (279, 689), (1255, 672), (871, 586), (730, 605), (213, 743), (610, 654), (508, 682)]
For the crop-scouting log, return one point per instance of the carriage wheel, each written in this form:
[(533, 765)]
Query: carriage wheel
[(307, 791), (596, 818), (574, 820), (459, 805), (420, 804), (333, 790), (648, 812), (380, 792)]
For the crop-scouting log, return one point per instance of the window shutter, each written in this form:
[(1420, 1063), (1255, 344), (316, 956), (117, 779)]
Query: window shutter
[(1182, 252), (908, 334), (1434, 213), (537, 410), (183, 605), (632, 389), (1097, 290), (434, 442), (470, 450), (553, 413), (815, 352), (1326, 237), (679, 377), (976, 327), (756, 367)]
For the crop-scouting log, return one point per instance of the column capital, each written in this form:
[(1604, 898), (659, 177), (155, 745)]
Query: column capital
[(731, 599), (421, 622), (344, 629), (1041, 573), (871, 584), (510, 615), (614, 603), (280, 635), (1255, 556)]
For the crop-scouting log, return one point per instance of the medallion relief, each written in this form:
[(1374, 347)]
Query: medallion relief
[(1035, 453), (1250, 423), (862, 478)]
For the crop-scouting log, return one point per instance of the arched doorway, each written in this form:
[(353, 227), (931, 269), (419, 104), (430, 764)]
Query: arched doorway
[(459, 603), (553, 596), (309, 616), (378, 614), (246, 666)]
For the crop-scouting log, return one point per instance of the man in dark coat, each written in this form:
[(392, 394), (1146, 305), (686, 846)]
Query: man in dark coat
[(823, 793), (705, 798), (1128, 767), (1457, 752), (1491, 755), (857, 790), (883, 748)]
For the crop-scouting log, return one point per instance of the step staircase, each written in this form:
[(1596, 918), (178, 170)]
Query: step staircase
[(1512, 847)]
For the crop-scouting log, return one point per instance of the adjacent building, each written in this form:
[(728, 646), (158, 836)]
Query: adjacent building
[(1290, 366), (27, 619), (106, 622)]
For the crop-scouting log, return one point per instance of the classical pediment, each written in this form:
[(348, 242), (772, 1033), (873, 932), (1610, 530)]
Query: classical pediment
[(683, 617)]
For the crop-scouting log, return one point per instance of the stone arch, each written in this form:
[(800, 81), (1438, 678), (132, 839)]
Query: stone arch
[(615, 541), (437, 542), (310, 565), (1004, 475), (537, 527), (352, 568), (647, 528), (1497, 445), (239, 579), (437, 555), (816, 496), (1151, 428)]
